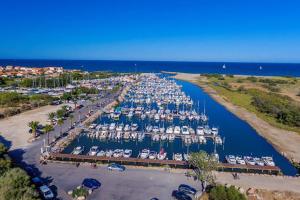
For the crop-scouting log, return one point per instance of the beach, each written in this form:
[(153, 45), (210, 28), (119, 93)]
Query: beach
[(286, 142)]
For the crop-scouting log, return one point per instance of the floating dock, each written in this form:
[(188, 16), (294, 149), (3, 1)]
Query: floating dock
[(171, 163)]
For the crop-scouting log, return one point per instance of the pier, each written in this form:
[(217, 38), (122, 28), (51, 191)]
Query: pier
[(171, 163)]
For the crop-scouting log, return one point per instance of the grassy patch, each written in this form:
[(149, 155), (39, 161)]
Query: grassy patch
[(245, 98)]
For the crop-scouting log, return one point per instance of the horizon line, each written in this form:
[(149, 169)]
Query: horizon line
[(138, 60)]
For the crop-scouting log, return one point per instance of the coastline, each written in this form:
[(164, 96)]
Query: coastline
[(285, 142)]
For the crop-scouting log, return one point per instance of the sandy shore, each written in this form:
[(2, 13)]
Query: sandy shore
[(286, 142), (15, 128)]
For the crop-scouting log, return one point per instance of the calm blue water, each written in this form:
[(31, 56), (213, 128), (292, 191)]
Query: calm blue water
[(240, 138), (268, 69)]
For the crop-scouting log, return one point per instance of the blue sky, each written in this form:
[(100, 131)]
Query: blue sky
[(187, 30)]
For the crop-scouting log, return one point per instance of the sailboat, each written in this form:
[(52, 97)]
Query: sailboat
[(224, 66)]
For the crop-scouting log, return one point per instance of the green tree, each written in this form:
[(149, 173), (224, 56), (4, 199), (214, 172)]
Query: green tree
[(51, 116), (15, 184), (204, 165), (220, 192), (5, 164), (34, 126), (48, 128), (3, 149)]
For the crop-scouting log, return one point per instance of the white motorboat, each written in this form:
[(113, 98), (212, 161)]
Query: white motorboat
[(199, 130), (101, 153), (268, 161), (152, 155), (119, 128), (112, 126), (109, 153), (127, 127), (214, 131), (185, 130), (240, 160), (145, 153), (78, 150), (118, 153), (230, 159), (202, 139), (186, 156), (249, 160), (134, 127), (177, 130), (127, 153), (164, 137), (259, 161), (169, 130), (93, 151), (177, 157)]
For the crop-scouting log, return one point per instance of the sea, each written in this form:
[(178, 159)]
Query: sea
[(242, 68)]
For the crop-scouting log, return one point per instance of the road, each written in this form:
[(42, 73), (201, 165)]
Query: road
[(132, 184)]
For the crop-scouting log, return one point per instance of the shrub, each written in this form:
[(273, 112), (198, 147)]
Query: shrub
[(252, 79), (220, 192), (15, 184), (277, 106), (78, 192)]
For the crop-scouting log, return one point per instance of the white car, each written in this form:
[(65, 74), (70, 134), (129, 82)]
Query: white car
[(46, 191)]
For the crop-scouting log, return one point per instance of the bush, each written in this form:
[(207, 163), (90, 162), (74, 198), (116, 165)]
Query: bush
[(78, 192), (15, 184), (280, 107), (220, 192), (252, 79), (212, 75)]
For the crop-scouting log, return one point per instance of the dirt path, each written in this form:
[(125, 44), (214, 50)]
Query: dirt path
[(15, 128), (286, 142), (258, 181)]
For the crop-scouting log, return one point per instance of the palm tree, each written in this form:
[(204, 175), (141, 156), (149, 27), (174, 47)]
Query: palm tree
[(48, 128), (34, 126), (60, 122), (51, 116), (64, 108)]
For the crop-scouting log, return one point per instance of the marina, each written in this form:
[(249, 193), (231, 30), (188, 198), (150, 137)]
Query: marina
[(159, 113)]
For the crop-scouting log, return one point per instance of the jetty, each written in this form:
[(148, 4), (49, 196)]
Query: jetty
[(171, 163)]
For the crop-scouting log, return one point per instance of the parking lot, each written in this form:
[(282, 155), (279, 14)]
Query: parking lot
[(133, 183)]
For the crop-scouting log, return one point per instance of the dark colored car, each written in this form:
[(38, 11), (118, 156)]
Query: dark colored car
[(187, 189), (91, 183), (37, 181), (180, 195), (116, 167)]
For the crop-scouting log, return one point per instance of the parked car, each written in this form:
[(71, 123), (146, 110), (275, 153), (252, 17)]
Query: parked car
[(91, 183), (180, 195), (46, 192), (37, 181), (187, 189), (116, 167)]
